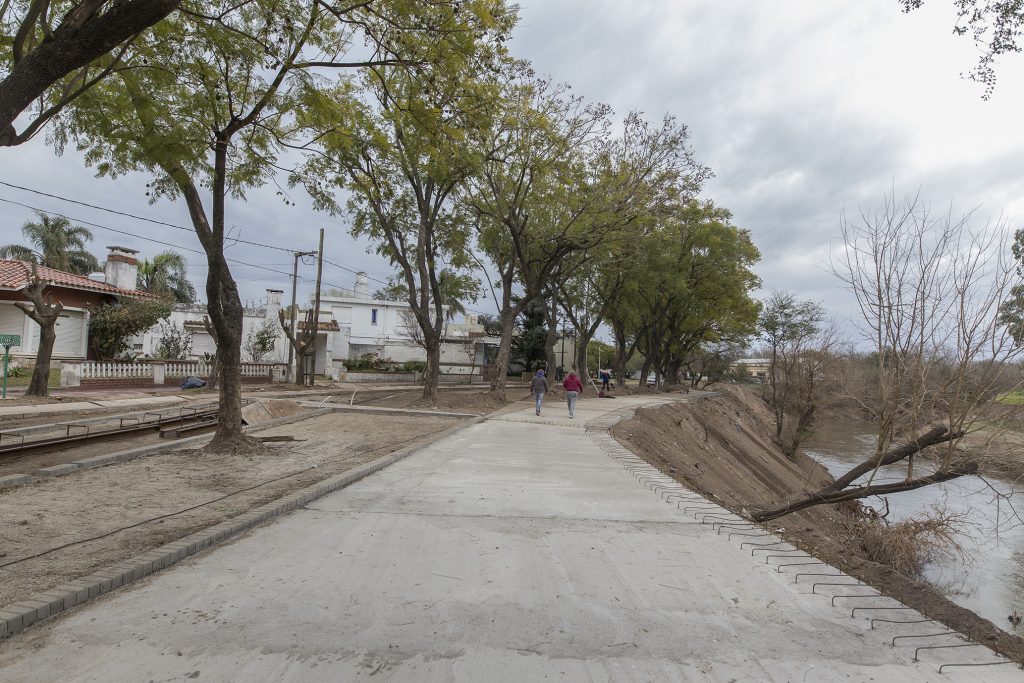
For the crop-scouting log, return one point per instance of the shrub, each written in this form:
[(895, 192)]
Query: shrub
[(414, 366)]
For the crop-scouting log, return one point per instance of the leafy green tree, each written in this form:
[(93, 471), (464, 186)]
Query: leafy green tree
[(556, 183), (528, 342), (166, 275), (53, 52), (690, 286), (55, 243), (207, 101), (112, 325), (403, 158)]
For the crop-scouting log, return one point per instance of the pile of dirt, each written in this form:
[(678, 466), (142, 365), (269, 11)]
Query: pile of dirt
[(724, 448)]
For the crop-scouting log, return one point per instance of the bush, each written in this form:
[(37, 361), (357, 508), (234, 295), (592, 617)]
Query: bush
[(908, 545), (371, 362), (414, 366), (112, 326)]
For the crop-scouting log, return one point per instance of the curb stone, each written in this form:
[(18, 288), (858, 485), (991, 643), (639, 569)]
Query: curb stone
[(18, 616)]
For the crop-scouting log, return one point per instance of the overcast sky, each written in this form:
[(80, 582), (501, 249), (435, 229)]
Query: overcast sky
[(801, 109)]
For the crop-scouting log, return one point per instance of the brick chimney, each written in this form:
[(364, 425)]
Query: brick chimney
[(121, 269)]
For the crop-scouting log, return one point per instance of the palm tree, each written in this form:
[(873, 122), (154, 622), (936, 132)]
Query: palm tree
[(58, 243), (167, 275)]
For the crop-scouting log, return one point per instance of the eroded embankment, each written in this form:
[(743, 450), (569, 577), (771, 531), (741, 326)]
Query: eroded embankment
[(724, 448)]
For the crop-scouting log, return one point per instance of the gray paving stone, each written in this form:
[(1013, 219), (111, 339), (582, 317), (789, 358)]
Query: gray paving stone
[(14, 480), (57, 470)]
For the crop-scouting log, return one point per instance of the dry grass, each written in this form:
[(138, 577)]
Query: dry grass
[(909, 545)]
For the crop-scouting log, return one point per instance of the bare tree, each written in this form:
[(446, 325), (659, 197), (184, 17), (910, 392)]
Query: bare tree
[(45, 312), (929, 291), (799, 346)]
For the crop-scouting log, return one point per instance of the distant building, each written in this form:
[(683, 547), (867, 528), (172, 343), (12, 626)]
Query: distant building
[(351, 324), (756, 367), (77, 293)]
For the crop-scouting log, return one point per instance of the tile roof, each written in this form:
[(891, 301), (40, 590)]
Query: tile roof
[(16, 275)]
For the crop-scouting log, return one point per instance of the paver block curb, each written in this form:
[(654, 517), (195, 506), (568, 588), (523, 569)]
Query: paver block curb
[(56, 470), (14, 480), (20, 615)]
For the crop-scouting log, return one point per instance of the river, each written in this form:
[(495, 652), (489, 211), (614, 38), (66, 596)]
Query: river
[(991, 583)]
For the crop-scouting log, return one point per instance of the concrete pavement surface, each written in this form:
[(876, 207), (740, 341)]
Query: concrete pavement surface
[(515, 550)]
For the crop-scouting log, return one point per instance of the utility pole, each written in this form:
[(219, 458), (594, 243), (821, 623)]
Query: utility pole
[(295, 275), (311, 374)]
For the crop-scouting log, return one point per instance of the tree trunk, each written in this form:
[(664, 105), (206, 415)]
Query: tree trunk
[(227, 319), (433, 369), (508, 320), (40, 383), (823, 497), (504, 353), (45, 313)]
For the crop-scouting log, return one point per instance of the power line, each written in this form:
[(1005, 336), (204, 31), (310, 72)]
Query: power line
[(140, 237), (130, 215), (177, 227)]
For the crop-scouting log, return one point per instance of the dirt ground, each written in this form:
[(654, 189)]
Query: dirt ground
[(723, 447), (38, 517)]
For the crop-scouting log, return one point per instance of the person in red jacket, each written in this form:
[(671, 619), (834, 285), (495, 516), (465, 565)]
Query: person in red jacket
[(573, 388)]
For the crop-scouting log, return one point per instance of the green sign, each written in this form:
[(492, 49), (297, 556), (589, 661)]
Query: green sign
[(7, 341)]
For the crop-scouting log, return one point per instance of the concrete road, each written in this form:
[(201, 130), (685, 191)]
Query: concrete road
[(516, 550)]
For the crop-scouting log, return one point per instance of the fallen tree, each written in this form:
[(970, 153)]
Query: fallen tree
[(843, 488)]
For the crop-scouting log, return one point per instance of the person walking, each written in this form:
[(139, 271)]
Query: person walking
[(539, 387), (573, 388)]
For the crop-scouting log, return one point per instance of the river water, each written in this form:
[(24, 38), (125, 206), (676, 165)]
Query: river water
[(991, 583)]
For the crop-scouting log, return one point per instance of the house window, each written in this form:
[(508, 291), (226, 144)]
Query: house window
[(137, 347), (373, 316)]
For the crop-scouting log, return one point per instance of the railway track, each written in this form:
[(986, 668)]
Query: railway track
[(188, 419)]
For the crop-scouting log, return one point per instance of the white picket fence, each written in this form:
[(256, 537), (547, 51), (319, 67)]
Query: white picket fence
[(104, 370), (73, 373), (187, 369)]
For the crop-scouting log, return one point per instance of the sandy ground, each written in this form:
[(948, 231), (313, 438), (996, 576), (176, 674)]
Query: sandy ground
[(44, 515), (723, 447)]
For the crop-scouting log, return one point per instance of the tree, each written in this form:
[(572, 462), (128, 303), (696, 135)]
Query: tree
[(44, 311), (207, 102), (798, 344), (58, 244), (556, 183), (173, 343), (530, 340), (112, 325), (53, 53), (995, 26), (261, 341), (167, 276), (403, 163), (929, 291), (690, 286)]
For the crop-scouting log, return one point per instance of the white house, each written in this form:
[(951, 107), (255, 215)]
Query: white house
[(351, 324), (191, 316)]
